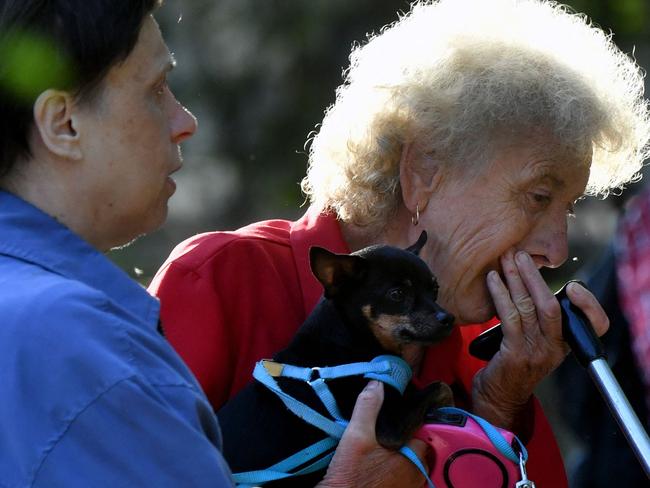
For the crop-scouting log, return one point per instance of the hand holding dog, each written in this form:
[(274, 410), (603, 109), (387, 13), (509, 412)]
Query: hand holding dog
[(532, 343), (360, 461)]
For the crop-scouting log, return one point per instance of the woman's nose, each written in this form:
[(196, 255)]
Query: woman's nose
[(183, 124), (548, 244)]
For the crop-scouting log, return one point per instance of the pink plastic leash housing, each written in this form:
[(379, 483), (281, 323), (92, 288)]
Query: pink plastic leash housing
[(462, 456)]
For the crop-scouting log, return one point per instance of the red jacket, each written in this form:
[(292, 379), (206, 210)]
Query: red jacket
[(229, 299)]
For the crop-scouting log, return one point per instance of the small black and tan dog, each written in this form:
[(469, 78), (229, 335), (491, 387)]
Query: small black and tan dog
[(379, 300)]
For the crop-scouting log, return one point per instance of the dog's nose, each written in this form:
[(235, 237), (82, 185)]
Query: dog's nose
[(445, 318)]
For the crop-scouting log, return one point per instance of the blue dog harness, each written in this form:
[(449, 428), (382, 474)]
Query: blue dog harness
[(390, 370)]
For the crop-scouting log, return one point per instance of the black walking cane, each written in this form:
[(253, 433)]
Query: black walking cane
[(579, 334)]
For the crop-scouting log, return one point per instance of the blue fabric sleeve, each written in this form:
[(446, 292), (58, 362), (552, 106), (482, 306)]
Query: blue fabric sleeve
[(137, 435)]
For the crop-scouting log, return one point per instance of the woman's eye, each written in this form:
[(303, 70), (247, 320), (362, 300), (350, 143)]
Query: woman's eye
[(396, 294), (540, 199)]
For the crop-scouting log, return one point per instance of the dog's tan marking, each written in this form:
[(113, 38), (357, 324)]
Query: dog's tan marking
[(383, 328)]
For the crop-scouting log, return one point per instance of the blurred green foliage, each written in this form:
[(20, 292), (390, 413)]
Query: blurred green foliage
[(32, 65), (627, 18)]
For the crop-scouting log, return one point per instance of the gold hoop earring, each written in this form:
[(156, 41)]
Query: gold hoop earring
[(415, 219)]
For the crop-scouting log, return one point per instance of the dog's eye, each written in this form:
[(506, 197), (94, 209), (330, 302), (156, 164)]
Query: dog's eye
[(396, 294)]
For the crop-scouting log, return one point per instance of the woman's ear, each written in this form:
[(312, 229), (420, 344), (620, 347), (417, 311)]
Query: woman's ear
[(419, 177), (55, 122)]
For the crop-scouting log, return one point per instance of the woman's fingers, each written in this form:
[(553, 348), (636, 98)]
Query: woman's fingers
[(532, 345), (531, 321), (505, 308), (519, 293), (547, 313), (364, 416), (584, 300)]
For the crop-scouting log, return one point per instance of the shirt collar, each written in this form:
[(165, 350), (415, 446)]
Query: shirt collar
[(29, 234), (315, 228)]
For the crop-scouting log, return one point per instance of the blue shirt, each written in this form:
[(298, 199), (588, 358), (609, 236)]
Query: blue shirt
[(91, 395)]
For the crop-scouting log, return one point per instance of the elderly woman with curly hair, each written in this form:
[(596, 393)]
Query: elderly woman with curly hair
[(481, 122)]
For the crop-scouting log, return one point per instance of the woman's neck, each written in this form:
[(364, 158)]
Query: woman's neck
[(394, 233)]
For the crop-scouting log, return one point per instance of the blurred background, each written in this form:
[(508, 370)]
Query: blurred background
[(258, 74)]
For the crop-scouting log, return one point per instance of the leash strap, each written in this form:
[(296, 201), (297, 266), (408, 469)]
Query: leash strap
[(502, 445), (394, 372), (283, 469), (411, 456), (325, 395), (388, 369), (309, 415)]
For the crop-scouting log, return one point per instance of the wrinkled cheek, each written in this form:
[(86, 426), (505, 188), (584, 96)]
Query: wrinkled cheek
[(468, 298), (456, 266)]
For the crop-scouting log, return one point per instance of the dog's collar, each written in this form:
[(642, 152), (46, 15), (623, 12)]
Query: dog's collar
[(391, 370)]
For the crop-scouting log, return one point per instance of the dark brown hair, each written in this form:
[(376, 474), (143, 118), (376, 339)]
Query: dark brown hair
[(64, 44)]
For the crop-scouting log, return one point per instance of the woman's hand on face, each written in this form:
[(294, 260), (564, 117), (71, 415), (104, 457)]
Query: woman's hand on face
[(532, 343), (360, 461)]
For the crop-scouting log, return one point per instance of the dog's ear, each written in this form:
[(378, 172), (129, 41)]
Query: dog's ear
[(334, 270), (417, 247)]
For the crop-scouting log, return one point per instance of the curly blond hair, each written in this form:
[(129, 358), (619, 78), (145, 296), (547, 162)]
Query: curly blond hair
[(455, 77)]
